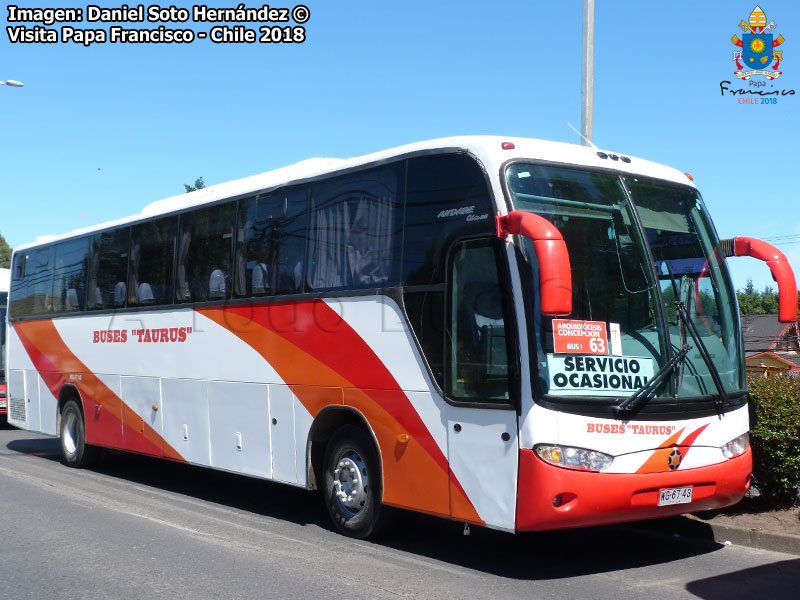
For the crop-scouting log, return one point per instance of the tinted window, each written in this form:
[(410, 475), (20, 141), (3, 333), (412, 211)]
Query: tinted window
[(152, 255), (356, 230), (271, 244), (477, 345), (19, 267), (41, 279), (108, 281), (18, 306), (69, 281), (425, 312), (205, 247), (447, 198), (32, 283), (21, 304)]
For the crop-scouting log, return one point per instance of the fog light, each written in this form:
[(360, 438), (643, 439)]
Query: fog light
[(573, 458), (736, 446), (557, 500)]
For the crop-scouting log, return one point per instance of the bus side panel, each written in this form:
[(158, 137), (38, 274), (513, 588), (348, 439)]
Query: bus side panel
[(32, 400), (48, 410), (302, 428), (185, 417), (282, 432), (104, 424), (143, 397), (317, 397), (411, 477), (239, 427), (21, 374), (416, 472)]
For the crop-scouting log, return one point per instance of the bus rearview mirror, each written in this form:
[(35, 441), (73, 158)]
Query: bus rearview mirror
[(555, 274), (781, 271)]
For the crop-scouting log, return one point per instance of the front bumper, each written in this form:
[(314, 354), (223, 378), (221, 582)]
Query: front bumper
[(589, 498)]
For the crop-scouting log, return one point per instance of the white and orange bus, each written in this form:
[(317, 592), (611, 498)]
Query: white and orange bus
[(513, 333)]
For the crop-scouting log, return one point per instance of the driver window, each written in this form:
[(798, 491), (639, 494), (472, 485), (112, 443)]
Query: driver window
[(477, 345)]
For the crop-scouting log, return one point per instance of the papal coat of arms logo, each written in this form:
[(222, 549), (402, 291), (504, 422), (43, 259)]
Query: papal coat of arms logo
[(757, 47)]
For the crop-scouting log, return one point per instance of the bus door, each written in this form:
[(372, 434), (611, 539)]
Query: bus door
[(480, 366)]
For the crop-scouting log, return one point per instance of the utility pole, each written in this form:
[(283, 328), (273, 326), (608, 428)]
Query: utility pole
[(587, 73)]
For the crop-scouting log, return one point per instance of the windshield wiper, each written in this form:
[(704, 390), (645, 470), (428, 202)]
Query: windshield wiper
[(722, 397), (683, 314), (641, 395)]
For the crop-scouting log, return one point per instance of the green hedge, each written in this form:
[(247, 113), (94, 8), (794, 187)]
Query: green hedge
[(775, 437)]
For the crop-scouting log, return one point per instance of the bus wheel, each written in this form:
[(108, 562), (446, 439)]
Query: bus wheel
[(74, 450), (352, 484)]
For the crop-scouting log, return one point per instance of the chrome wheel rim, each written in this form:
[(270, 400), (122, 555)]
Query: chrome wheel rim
[(351, 481), (69, 433)]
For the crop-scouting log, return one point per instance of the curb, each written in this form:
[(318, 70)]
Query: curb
[(754, 538), (689, 526)]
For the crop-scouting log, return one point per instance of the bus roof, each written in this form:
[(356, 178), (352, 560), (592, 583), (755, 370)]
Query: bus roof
[(489, 150)]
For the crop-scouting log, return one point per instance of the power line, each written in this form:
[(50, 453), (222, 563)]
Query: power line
[(785, 238)]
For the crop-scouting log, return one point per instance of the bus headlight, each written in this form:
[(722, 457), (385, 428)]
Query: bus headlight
[(573, 458), (736, 446)]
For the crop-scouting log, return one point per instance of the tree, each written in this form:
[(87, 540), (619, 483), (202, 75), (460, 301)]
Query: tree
[(769, 301), (749, 300), (199, 184), (752, 302), (5, 253)]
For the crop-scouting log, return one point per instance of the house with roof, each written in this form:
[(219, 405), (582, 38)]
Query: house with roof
[(770, 347)]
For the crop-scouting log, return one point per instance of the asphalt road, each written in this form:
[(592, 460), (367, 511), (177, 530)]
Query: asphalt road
[(142, 528)]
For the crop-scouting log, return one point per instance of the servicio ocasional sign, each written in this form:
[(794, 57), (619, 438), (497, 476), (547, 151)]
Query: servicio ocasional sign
[(597, 375)]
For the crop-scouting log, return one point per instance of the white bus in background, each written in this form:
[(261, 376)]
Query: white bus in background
[(506, 332), (5, 278)]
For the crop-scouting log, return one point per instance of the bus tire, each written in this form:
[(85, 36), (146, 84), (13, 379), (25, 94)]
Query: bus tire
[(352, 484), (75, 452)]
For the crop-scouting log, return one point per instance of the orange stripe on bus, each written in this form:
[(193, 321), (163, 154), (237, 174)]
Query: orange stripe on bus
[(413, 477), (659, 460), (55, 362)]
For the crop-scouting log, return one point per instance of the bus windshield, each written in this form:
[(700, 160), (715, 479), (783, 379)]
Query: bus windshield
[(637, 246)]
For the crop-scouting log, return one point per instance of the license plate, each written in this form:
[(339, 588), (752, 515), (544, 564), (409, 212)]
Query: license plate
[(3, 403), (675, 496)]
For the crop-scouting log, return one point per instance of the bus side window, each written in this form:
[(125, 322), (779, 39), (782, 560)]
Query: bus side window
[(355, 230), (108, 275), (425, 310), (151, 256), (21, 302), (69, 281), (19, 267), (205, 246), (447, 198), (476, 342), (271, 234), (41, 281)]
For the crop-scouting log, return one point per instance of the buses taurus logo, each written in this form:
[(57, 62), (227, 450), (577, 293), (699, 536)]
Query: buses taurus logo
[(757, 47), (674, 460)]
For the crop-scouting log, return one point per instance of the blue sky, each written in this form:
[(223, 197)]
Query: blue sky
[(98, 132)]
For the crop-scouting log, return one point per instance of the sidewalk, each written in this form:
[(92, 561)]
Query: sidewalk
[(744, 524)]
